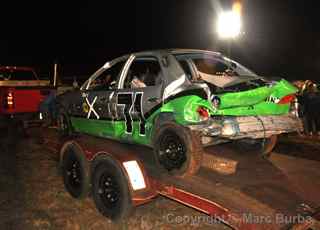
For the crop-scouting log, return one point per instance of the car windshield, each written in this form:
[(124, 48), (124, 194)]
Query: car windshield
[(17, 75)]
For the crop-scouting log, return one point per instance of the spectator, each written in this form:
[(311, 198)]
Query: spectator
[(48, 109), (309, 100), (75, 83)]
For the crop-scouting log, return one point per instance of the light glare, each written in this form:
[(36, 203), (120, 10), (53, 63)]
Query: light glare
[(229, 24)]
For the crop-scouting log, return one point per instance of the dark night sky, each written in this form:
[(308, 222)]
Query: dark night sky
[(282, 37)]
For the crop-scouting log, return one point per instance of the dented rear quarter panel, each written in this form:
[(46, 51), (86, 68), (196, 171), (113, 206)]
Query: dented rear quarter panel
[(255, 102)]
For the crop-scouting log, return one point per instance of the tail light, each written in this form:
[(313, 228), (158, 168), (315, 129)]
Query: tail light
[(287, 99), (9, 100), (203, 113), (295, 108)]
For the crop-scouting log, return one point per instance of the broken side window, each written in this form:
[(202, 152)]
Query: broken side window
[(142, 73), (107, 79)]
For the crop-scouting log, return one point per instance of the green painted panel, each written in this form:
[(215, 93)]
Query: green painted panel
[(184, 111)]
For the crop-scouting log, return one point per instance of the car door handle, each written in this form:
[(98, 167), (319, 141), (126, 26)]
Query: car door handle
[(153, 99)]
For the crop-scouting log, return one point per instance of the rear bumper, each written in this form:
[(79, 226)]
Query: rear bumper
[(255, 127)]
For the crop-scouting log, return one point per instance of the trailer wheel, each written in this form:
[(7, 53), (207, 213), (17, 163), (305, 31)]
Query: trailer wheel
[(110, 190), (177, 149), (75, 171)]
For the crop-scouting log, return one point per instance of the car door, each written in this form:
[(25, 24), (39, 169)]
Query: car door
[(138, 96), (94, 108)]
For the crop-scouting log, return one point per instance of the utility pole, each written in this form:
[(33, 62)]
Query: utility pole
[(55, 73)]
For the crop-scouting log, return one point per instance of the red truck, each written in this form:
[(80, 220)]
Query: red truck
[(21, 93)]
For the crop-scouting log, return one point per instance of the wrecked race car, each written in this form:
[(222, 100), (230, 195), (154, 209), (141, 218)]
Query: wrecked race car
[(177, 102)]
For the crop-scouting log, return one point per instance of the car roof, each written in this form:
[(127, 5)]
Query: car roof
[(193, 51), (169, 51), (176, 51)]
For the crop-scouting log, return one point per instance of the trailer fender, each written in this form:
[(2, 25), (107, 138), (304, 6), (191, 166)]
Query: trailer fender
[(141, 188)]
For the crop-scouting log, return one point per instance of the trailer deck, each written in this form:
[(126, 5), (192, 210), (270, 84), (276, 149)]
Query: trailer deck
[(250, 190), (242, 190)]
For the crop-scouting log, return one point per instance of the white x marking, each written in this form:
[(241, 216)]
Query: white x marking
[(91, 109)]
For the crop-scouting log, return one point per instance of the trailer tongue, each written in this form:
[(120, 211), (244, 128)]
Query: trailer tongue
[(242, 190)]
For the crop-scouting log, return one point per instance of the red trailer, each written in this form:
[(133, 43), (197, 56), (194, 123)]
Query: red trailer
[(244, 192)]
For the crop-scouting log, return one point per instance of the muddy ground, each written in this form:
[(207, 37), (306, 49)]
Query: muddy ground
[(32, 195)]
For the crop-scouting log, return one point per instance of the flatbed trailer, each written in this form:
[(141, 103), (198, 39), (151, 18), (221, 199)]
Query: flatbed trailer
[(243, 191)]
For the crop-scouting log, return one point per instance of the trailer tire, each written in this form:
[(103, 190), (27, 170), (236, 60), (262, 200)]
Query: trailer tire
[(110, 190), (75, 172), (177, 149)]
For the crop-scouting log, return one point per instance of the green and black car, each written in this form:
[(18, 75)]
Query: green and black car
[(177, 102)]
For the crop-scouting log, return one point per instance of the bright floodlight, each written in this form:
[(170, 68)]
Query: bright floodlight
[(229, 24)]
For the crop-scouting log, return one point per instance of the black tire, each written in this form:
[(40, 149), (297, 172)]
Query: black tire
[(110, 190), (177, 149), (263, 146), (64, 124), (75, 172), (13, 135)]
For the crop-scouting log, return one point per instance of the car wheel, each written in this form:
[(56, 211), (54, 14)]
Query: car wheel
[(178, 150), (75, 171), (64, 124), (110, 190)]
